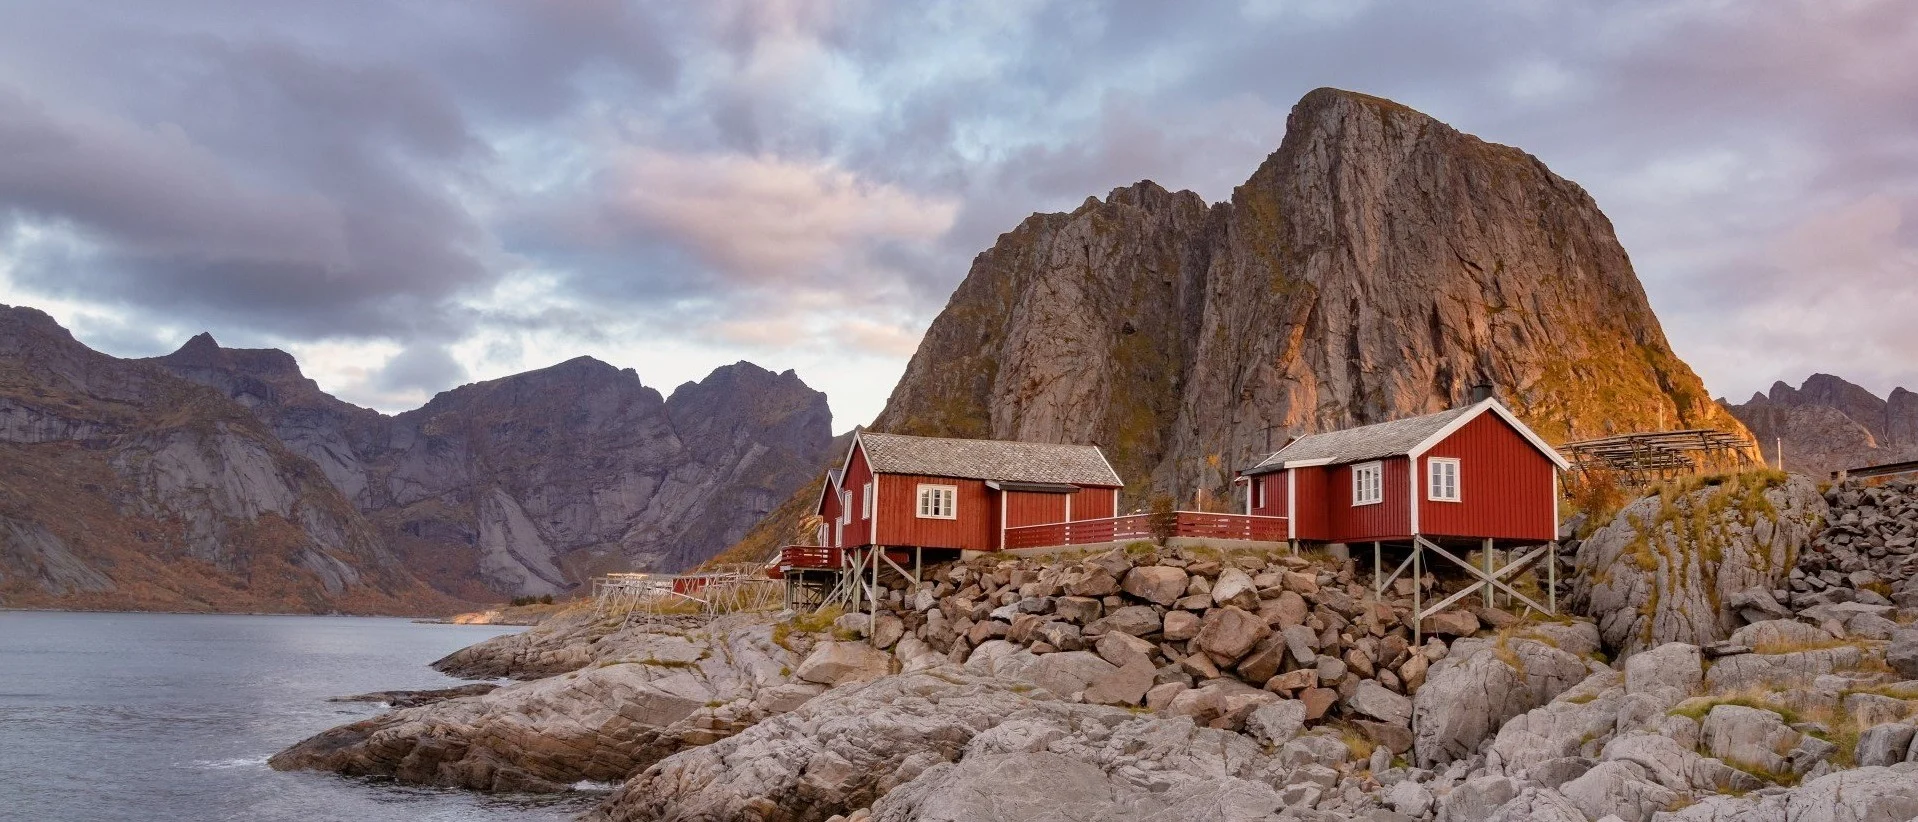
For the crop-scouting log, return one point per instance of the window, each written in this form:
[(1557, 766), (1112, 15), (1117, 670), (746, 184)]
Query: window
[(1258, 487), (866, 501), (845, 507), (1441, 484), (1368, 485), (938, 502)]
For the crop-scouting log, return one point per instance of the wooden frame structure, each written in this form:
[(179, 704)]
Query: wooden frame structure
[(1645, 457)]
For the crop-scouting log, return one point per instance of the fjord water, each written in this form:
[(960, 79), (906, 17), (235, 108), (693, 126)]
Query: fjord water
[(164, 717)]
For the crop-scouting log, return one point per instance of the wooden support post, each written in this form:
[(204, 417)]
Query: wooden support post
[(1418, 591), (1551, 580), (1486, 558), (1378, 572)]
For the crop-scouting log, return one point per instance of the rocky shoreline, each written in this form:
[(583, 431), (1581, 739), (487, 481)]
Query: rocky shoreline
[(1156, 684)]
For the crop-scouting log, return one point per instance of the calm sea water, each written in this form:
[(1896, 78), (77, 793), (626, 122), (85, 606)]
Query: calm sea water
[(164, 717)]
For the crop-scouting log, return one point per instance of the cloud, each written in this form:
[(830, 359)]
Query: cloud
[(417, 194)]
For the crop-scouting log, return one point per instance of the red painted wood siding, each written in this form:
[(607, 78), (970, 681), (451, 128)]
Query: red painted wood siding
[(1507, 489), (1095, 503), (1030, 508), (975, 528), (1390, 519), (1274, 484), (1312, 498)]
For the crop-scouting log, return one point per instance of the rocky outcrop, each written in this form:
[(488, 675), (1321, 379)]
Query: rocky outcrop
[(1471, 693), (1376, 266), (936, 745), (1693, 562), (661, 692), (524, 484), (1828, 424), (129, 487)]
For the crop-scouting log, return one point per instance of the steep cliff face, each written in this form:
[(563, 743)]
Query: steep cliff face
[(125, 486), (1828, 424), (531, 483), (1377, 265)]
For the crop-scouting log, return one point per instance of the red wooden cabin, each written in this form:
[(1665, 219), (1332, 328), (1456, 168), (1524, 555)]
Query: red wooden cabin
[(1474, 472), (928, 492)]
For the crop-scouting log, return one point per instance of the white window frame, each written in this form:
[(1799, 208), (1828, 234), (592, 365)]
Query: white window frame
[(1432, 486), (1258, 492), (1360, 495), (845, 507), (928, 492), (866, 501)]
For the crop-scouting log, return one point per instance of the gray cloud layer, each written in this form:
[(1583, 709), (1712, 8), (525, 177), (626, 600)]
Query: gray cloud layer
[(477, 186)]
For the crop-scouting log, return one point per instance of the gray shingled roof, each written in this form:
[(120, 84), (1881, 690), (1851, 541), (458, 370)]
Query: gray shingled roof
[(1366, 442), (988, 459)]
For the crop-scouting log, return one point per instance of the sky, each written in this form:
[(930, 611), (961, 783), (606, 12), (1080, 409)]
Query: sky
[(412, 196)]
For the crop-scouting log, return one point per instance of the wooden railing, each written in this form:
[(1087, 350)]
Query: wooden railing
[(1147, 526), (808, 557)]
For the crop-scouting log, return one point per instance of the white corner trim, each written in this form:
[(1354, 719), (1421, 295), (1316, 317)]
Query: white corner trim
[(1291, 506), (1413, 468)]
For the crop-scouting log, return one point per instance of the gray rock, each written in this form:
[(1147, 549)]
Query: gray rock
[(1674, 666), (1902, 654), (1775, 633), (1644, 588), (837, 663), (1620, 788), (1137, 620), (1477, 799), (1886, 744), (1373, 700), (1469, 694), (1234, 587), (1276, 723), (1750, 737)]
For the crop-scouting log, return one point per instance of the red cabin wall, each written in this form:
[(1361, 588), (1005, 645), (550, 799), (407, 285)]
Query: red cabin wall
[(1274, 494), (1033, 508), (1095, 503), (1507, 489), (1390, 519), (975, 528), (1312, 508)]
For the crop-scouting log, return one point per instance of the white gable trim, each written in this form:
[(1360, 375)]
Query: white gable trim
[(1504, 413)]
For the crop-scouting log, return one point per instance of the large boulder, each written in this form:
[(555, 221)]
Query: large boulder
[(1902, 653), (1673, 667), (1668, 568), (834, 663), (1161, 584), (1230, 632), (1482, 683)]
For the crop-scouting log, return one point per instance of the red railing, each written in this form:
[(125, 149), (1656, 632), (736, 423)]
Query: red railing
[(808, 557), (1148, 526)]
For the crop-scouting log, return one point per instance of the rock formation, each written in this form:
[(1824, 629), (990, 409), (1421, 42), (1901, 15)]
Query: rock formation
[(125, 486), (1690, 564), (1378, 265), (1828, 424)]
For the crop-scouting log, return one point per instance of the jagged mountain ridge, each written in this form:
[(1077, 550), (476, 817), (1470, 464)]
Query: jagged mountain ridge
[(1830, 424), (1377, 265), (124, 486), (530, 483)]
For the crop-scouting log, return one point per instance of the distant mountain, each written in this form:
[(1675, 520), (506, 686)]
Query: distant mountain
[(1378, 265), (1828, 424), (124, 486), (527, 484)]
